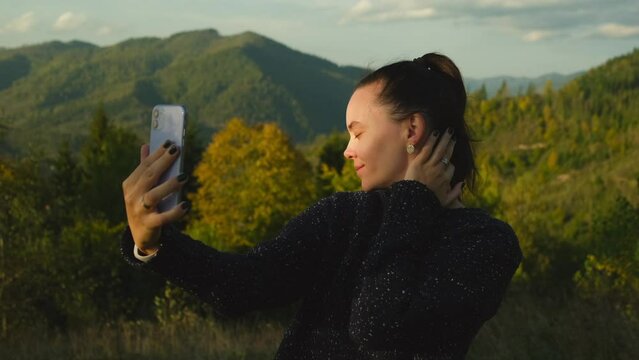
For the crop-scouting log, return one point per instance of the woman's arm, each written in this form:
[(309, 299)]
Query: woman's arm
[(423, 280), (273, 273)]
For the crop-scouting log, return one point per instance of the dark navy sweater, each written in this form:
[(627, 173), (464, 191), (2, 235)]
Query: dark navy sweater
[(383, 274)]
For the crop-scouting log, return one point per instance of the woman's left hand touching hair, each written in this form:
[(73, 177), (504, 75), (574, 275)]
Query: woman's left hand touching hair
[(429, 167)]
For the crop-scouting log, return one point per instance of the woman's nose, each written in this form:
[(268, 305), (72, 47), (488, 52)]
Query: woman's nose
[(348, 153)]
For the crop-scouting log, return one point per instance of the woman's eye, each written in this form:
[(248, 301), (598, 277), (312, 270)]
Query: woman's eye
[(358, 135)]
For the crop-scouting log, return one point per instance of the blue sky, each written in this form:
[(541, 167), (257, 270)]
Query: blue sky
[(484, 37)]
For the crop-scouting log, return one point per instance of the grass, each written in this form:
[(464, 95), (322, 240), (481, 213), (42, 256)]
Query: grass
[(525, 328), (531, 328), (195, 338)]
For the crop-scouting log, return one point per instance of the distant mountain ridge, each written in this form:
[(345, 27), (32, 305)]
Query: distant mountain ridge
[(519, 85)]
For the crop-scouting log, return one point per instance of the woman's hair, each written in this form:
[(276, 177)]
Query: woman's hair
[(431, 85)]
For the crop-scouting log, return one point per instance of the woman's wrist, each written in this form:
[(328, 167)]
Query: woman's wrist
[(148, 251), (148, 247)]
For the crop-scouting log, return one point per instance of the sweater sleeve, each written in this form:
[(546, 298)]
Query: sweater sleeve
[(425, 282), (275, 272)]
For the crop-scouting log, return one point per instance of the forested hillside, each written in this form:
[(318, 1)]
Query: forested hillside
[(49, 91), (561, 167)]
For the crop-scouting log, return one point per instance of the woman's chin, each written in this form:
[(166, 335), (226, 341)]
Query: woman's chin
[(368, 186)]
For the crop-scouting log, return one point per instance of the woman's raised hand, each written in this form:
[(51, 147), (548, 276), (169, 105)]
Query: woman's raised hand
[(141, 196), (429, 167)]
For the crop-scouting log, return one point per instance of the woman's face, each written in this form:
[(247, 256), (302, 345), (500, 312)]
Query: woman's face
[(377, 143)]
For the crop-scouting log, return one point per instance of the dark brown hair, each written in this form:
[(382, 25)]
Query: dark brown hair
[(431, 85)]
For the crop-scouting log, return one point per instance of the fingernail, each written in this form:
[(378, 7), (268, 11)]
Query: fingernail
[(186, 206), (182, 177), (451, 131), (167, 143), (173, 149), (436, 133)]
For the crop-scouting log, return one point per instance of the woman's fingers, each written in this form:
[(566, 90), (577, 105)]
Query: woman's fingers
[(145, 163), (424, 153), (155, 195), (449, 171), (156, 220), (149, 176), (454, 193), (450, 148), (144, 152), (442, 145)]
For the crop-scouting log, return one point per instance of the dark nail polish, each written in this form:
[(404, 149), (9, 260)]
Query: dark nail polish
[(167, 143), (182, 177), (186, 206), (463, 185), (454, 138), (436, 133), (451, 131), (173, 149)]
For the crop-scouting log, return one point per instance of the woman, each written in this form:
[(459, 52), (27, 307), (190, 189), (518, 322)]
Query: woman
[(400, 270)]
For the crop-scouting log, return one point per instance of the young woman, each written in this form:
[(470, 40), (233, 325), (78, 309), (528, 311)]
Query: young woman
[(399, 270)]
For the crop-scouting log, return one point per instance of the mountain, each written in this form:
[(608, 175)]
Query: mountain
[(49, 91), (518, 85), (579, 144)]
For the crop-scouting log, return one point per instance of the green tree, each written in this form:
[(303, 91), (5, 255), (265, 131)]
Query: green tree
[(504, 90), (331, 162), (481, 93), (108, 156), (252, 180), (25, 243), (346, 180)]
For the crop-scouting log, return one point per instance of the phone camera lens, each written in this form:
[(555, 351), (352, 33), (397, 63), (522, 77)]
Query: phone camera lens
[(156, 115)]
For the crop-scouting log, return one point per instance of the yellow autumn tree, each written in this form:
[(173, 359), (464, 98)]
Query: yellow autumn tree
[(252, 181)]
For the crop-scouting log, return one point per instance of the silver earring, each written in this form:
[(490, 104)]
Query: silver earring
[(410, 148)]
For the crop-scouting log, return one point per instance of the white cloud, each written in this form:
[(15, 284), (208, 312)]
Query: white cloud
[(517, 4), (531, 20), (23, 23), (618, 30), (69, 21), (104, 30), (537, 35), (387, 10), (362, 7)]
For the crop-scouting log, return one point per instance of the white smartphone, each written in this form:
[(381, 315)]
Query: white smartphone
[(169, 122)]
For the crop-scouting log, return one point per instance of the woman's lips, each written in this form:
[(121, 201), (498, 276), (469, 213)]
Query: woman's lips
[(357, 169)]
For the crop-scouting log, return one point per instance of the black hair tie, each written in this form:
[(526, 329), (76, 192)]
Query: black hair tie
[(419, 60)]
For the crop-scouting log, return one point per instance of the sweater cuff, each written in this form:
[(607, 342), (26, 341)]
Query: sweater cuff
[(138, 254), (129, 250)]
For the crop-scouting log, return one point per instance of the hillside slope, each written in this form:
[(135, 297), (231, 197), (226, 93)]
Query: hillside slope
[(49, 91)]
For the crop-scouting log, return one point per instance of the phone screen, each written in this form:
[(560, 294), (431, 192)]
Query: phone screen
[(169, 122)]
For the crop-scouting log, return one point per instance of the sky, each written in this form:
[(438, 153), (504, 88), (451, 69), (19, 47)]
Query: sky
[(485, 37)]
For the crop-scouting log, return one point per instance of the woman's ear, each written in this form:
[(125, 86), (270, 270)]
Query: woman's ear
[(416, 129)]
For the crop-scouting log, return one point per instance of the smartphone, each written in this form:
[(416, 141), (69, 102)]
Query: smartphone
[(169, 122)]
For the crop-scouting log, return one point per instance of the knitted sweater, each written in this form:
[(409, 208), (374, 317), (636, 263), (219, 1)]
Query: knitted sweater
[(383, 274)]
